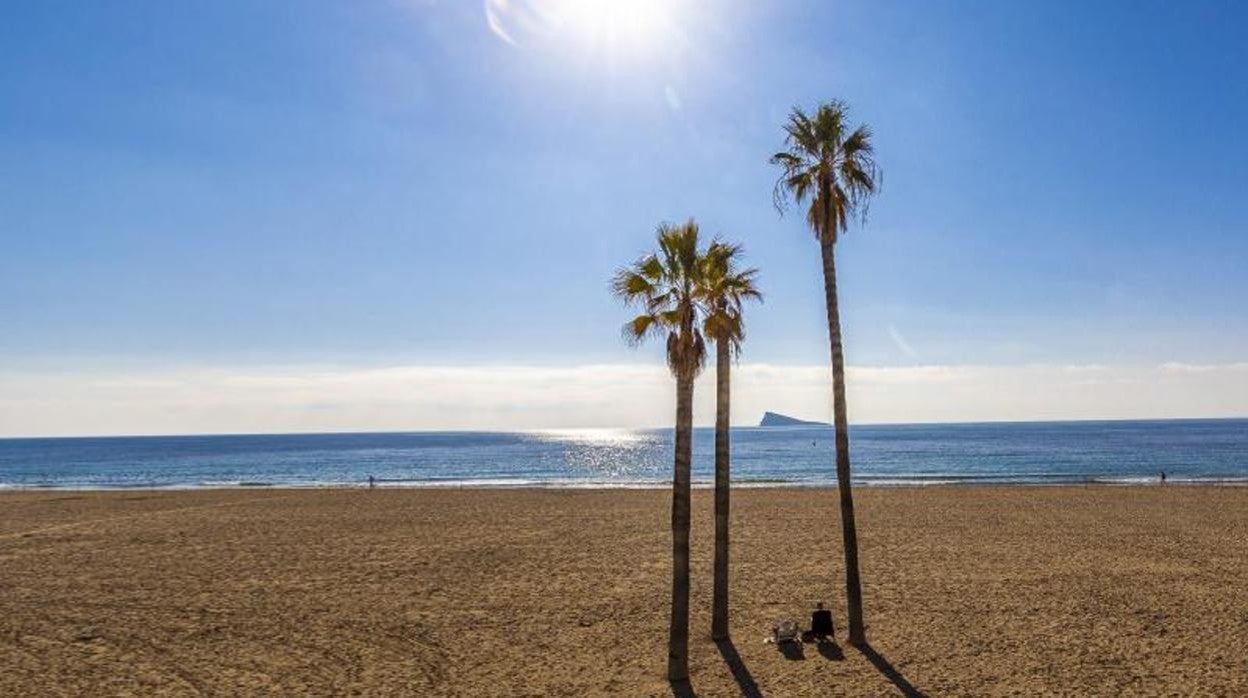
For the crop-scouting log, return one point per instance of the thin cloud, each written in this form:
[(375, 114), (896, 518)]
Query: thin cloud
[(901, 342), (216, 399), (1177, 367)]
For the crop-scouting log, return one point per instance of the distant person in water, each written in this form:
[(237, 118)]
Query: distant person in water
[(372, 482), (821, 623), (1163, 477)]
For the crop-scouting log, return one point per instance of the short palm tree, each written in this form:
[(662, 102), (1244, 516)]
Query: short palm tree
[(725, 288), (665, 287), (833, 167)]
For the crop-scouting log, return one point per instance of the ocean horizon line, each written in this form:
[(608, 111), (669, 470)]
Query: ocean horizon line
[(539, 430)]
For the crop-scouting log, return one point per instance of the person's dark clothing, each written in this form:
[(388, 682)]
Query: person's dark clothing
[(821, 624)]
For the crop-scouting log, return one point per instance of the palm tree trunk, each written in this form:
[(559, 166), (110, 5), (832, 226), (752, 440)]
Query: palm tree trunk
[(853, 585), (678, 637), (719, 603)]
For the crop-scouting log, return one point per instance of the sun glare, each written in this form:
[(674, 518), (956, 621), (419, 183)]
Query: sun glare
[(615, 27), (627, 23)]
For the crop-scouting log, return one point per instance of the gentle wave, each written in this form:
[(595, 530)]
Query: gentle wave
[(1213, 452), (635, 485)]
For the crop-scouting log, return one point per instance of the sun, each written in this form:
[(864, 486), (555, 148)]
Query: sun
[(613, 27), (620, 24)]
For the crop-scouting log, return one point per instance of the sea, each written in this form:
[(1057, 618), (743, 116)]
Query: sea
[(1030, 453)]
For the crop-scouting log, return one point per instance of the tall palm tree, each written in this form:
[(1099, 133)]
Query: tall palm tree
[(665, 286), (725, 288), (832, 167)]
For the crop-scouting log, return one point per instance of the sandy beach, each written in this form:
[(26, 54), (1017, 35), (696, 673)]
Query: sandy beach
[(1099, 590)]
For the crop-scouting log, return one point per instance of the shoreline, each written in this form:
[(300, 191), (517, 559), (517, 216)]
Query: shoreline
[(1191, 452), (1214, 483)]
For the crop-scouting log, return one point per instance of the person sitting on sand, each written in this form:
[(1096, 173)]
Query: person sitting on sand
[(821, 623)]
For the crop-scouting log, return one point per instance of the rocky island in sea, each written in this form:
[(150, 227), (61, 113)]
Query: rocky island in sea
[(774, 419)]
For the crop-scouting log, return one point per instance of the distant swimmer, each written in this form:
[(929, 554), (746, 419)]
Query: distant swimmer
[(372, 482), (1163, 477)]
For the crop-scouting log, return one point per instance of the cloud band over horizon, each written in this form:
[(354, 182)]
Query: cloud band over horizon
[(194, 400)]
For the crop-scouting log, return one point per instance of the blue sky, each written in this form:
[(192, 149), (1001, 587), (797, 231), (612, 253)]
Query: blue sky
[(392, 183)]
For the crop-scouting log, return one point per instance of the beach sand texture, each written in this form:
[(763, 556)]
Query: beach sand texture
[(983, 591)]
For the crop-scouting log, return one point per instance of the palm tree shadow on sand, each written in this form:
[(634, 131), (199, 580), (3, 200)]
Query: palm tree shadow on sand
[(832, 651), (890, 672), (827, 649), (740, 673), (745, 680), (683, 689)]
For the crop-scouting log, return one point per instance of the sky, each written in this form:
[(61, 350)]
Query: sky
[(403, 214)]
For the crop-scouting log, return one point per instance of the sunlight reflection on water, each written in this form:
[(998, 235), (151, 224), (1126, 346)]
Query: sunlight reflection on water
[(1208, 451), (597, 437)]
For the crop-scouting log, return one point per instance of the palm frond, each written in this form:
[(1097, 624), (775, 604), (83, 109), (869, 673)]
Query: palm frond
[(666, 285), (828, 165), (725, 288)]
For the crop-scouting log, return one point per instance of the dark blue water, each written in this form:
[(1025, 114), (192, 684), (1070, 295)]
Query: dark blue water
[(1021, 453)]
